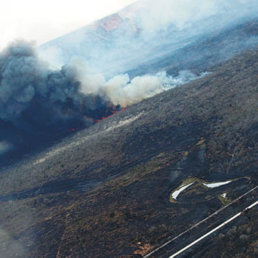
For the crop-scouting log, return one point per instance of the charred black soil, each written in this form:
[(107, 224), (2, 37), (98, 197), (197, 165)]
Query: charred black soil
[(106, 191)]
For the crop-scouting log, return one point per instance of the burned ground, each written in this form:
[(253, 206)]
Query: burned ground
[(105, 192)]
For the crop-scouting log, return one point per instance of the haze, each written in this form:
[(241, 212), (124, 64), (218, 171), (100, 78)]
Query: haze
[(41, 21)]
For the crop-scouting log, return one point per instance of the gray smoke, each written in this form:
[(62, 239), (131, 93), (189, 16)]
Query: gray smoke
[(90, 71), (26, 81), (40, 104)]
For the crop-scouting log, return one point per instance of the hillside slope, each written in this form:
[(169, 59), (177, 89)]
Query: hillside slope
[(43, 104), (107, 191), (147, 35)]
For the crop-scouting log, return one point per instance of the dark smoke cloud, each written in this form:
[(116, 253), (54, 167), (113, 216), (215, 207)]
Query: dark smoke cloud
[(25, 81), (39, 105), (38, 101)]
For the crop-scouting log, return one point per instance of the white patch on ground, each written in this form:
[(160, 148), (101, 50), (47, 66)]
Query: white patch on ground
[(181, 189), (83, 140), (224, 195), (59, 150), (123, 123), (38, 161), (218, 184)]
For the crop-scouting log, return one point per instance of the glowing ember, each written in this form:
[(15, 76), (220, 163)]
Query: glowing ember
[(113, 113)]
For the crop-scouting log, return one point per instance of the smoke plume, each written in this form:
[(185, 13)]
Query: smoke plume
[(25, 81), (147, 31), (41, 103), (71, 82), (123, 91)]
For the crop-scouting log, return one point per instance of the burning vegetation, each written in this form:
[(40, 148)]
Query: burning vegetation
[(39, 105)]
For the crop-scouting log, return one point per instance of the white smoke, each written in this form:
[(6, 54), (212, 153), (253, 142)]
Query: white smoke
[(123, 91), (146, 30), (100, 61), (159, 15)]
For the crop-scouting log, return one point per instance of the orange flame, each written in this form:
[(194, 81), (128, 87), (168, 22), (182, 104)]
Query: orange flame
[(113, 113)]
